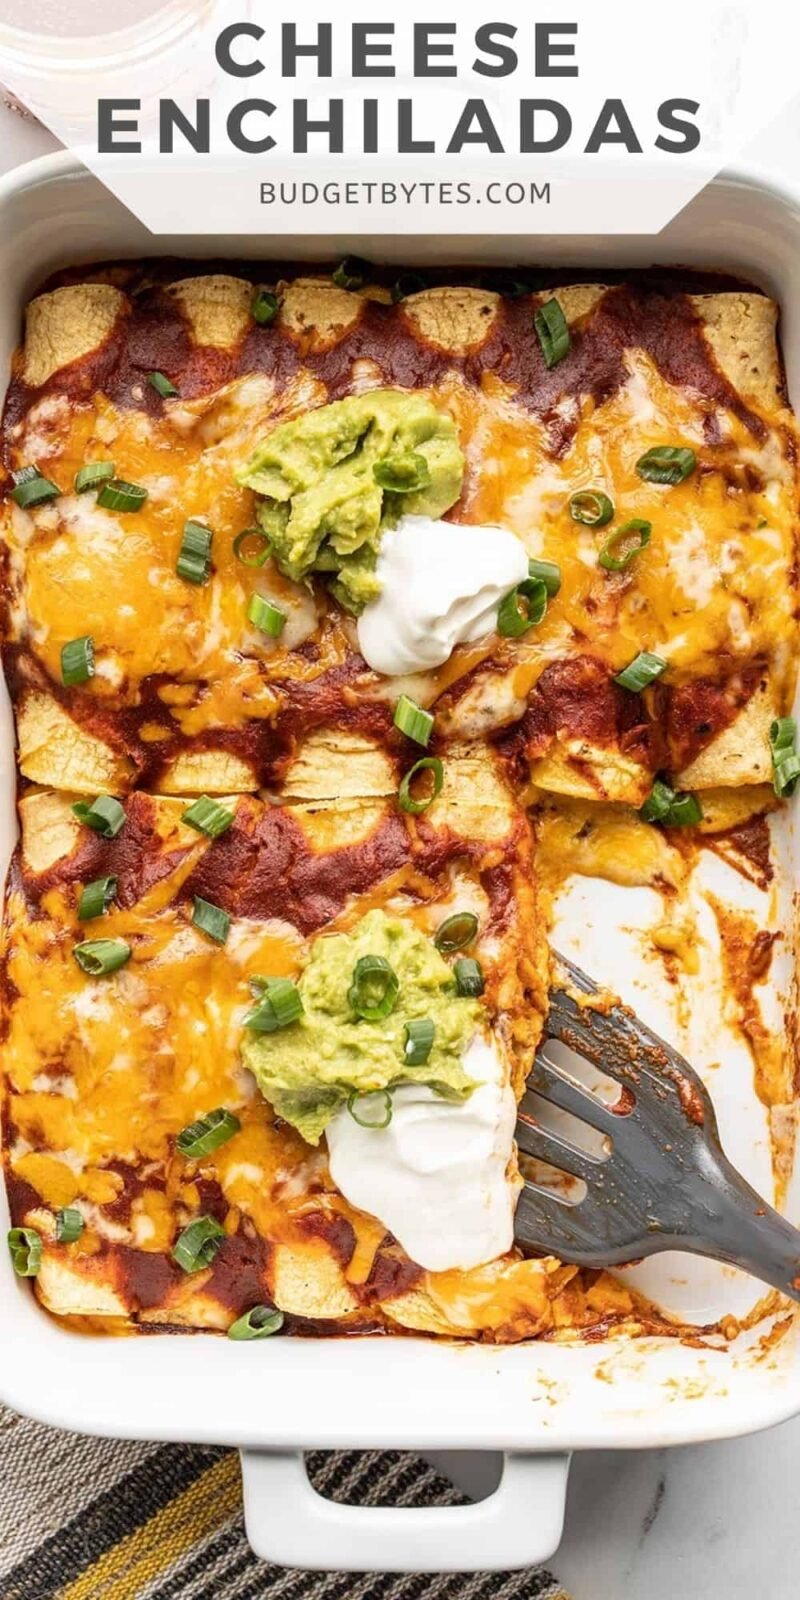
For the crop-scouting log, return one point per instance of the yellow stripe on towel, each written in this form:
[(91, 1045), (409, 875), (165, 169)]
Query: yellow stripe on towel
[(130, 1566)]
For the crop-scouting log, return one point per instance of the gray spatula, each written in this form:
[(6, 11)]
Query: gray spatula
[(662, 1182)]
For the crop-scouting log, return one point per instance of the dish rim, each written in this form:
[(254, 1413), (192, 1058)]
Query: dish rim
[(441, 1369)]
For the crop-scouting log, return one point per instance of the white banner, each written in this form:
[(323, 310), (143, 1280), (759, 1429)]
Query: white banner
[(247, 116)]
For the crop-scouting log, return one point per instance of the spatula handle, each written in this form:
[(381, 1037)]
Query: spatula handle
[(741, 1229)]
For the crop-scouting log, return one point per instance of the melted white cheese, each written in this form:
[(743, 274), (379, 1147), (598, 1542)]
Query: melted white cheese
[(44, 428), (437, 1177), (691, 566), (489, 703), (441, 585), (299, 607)]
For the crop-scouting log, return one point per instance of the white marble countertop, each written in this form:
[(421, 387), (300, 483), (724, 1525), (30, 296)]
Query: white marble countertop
[(705, 1522), (710, 1522)]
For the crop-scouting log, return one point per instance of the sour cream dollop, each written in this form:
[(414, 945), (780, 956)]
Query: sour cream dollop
[(441, 585), (437, 1176)]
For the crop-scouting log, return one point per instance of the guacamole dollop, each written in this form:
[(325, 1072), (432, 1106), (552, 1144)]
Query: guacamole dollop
[(308, 1070), (333, 479)]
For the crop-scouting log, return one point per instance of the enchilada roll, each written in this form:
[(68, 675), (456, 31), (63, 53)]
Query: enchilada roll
[(648, 470), (140, 937), (67, 326), (310, 587)]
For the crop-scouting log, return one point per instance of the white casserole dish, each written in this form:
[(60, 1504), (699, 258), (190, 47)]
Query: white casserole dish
[(536, 1402)]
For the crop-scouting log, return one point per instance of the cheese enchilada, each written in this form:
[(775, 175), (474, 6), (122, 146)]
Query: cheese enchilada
[(188, 695), (344, 621)]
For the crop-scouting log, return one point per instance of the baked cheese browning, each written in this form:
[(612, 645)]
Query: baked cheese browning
[(103, 1073), (747, 951), (745, 932), (296, 736), (188, 695)]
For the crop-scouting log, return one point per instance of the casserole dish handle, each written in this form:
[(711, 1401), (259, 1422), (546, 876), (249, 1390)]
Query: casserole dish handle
[(290, 1524)]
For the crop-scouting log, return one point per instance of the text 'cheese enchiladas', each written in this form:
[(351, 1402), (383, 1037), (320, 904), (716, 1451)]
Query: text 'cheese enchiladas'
[(344, 621)]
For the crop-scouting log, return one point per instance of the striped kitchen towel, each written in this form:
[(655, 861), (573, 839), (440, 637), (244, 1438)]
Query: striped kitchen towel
[(99, 1519)]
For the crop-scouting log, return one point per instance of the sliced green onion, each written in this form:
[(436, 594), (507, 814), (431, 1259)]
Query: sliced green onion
[(591, 507), (208, 817), (117, 495), (258, 985), (207, 1133), (69, 1225), (162, 385), (265, 307), (685, 812), (783, 734), (25, 1245), (371, 1110), (468, 974), (408, 283), (405, 798), (92, 474), (258, 1323), (352, 273), (32, 488), (96, 898), (618, 539), (667, 463), (403, 473), (786, 775), (658, 802), (279, 1005), (264, 615), (552, 331), (211, 919), (673, 809), (456, 932), (251, 547), (522, 609), (548, 573), (785, 760), (198, 1244), (194, 560), (644, 669), (418, 1041), (374, 990), (410, 718), (101, 957), (104, 815), (77, 661)]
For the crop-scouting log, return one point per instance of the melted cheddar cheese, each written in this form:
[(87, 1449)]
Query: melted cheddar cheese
[(101, 1075), (711, 593), (714, 583)]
